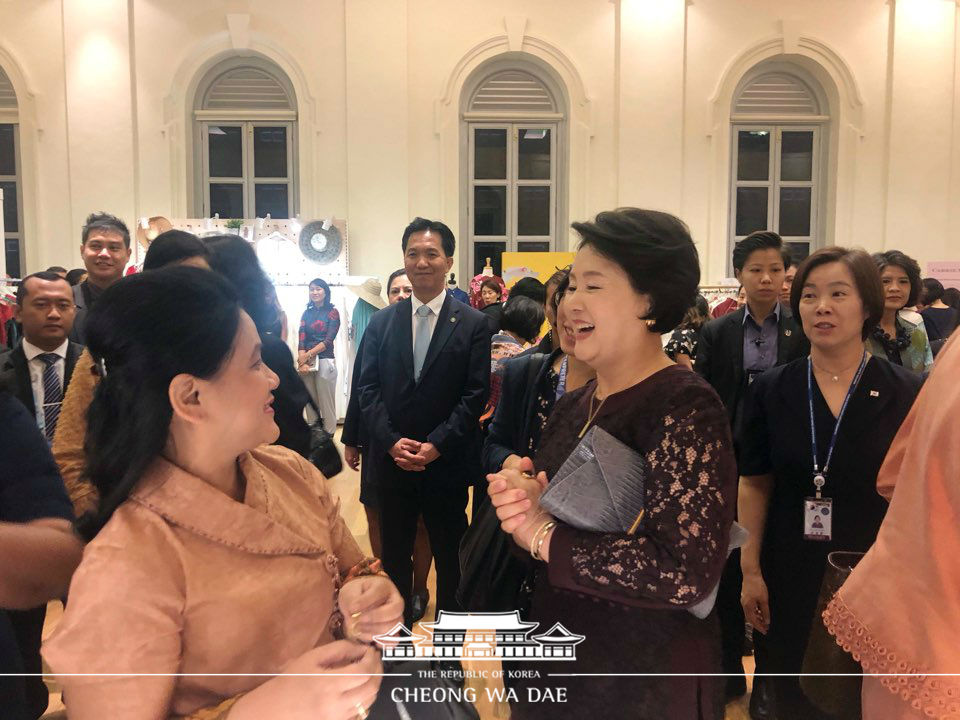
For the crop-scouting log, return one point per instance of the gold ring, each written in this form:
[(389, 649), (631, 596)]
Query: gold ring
[(361, 712), (355, 615)]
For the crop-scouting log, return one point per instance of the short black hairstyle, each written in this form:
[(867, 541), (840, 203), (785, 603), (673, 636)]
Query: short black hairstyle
[(393, 276), (174, 246), (56, 269), (932, 290), (493, 284), (327, 300), (523, 316), (105, 221), (910, 266), (951, 297), (787, 256), (656, 252), (558, 275), (419, 224), (562, 285), (530, 287), (759, 240), (44, 275), (73, 277), (865, 277)]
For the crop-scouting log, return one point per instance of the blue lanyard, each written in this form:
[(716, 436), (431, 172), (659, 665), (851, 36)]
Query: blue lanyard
[(562, 377), (819, 478)]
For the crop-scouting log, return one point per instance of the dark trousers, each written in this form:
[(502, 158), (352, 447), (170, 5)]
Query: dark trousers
[(403, 499), (730, 614)]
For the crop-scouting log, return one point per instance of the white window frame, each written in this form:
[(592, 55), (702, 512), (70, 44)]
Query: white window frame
[(512, 239), (774, 183), (248, 181), (17, 180)]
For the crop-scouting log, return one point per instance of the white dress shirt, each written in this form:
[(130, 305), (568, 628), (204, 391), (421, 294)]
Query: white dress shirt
[(37, 366), (436, 304)]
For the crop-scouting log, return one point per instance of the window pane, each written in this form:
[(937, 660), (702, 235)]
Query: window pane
[(270, 152), (11, 223), (226, 151), (271, 198), (796, 155), (751, 209), (484, 250), (533, 210), (12, 250), (535, 246), (753, 155), (798, 250), (490, 210), (795, 211), (226, 199), (534, 152), (490, 154), (8, 159)]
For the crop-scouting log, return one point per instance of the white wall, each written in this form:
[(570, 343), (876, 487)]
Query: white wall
[(106, 86)]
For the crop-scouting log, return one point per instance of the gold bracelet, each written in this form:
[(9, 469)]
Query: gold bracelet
[(537, 543)]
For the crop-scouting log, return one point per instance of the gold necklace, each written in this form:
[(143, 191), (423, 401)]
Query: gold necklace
[(836, 378), (592, 414)]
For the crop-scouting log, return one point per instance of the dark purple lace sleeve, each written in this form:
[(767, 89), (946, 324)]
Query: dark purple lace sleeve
[(677, 555)]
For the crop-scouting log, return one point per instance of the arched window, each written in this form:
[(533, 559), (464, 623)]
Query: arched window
[(10, 177), (245, 117), (513, 116), (779, 120)]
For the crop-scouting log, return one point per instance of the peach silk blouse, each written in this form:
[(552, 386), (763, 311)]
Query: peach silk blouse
[(899, 611), (184, 579)]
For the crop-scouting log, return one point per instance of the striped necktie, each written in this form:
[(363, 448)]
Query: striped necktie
[(52, 394)]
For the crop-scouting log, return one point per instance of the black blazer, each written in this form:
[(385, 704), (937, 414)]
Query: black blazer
[(509, 431), (15, 373), (353, 433), (78, 331), (720, 355), (443, 407)]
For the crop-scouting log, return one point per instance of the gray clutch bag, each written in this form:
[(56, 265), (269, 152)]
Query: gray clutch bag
[(600, 487)]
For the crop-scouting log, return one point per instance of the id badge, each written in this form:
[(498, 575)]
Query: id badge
[(817, 518)]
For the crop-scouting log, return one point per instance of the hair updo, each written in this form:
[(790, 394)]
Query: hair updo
[(143, 331)]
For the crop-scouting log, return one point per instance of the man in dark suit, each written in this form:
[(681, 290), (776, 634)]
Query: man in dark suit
[(732, 351), (424, 380), (38, 370)]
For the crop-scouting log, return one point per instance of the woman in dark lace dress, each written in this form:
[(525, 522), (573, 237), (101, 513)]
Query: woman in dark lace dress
[(634, 275)]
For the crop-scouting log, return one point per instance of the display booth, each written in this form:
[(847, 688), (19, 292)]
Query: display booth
[(292, 253)]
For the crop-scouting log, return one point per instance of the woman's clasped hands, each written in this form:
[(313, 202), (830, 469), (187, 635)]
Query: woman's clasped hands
[(515, 493)]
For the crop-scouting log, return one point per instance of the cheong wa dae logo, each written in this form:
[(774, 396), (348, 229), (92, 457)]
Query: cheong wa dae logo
[(480, 636)]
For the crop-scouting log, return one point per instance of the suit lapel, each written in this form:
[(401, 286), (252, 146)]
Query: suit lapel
[(73, 353), (787, 338), (22, 373), (737, 336), (404, 317), (447, 322)]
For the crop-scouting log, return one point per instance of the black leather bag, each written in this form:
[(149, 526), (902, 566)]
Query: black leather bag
[(323, 449), (831, 677), (491, 573), (445, 697)]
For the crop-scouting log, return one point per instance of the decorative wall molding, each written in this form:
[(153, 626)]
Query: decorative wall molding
[(239, 27), (516, 29)]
